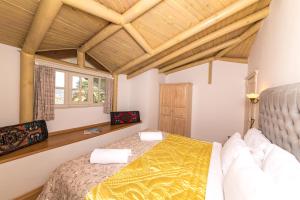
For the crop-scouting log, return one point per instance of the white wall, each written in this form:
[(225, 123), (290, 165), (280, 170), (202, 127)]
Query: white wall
[(25, 174), (9, 101), (275, 52), (9, 85), (217, 109), (141, 93)]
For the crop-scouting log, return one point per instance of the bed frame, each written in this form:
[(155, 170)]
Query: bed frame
[(279, 116)]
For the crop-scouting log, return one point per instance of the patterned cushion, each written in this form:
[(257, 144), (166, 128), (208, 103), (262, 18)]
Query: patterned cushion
[(124, 117), (19, 136)]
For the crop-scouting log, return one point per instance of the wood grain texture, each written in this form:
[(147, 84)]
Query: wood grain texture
[(117, 50), (15, 20), (201, 26), (156, 28), (71, 28), (175, 108)]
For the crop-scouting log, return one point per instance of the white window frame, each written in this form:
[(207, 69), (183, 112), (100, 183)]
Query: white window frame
[(68, 103)]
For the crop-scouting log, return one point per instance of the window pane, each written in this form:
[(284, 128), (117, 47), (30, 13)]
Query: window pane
[(84, 89), (102, 90), (59, 96), (59, 79), (75, 95), (96, 88), (75, 82)]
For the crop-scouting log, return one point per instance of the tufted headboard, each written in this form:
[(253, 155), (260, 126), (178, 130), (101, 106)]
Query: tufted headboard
[(279, 116)]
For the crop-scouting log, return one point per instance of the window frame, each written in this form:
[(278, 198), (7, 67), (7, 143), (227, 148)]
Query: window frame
[(68, 103)]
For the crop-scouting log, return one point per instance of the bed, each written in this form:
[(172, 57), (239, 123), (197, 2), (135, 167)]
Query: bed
[(279, 121), (74, 179)]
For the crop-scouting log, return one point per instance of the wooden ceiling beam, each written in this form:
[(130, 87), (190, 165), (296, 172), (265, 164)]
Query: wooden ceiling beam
[(80, 58), (44, 17), (245, 36), (204, 24), (138, 9), (210, 37), (99, 37), (252, 30), (197, 56), (107, 68), (190, 65), (138, 38), (95, 8), (236, 60)]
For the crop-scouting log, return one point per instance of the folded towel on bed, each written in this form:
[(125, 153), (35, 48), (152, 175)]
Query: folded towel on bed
[(151, 136), (108, 156)]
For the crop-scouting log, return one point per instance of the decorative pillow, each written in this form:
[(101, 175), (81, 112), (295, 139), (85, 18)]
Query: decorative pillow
[(284, 169), (231, 150), (19, 136), (124, 117), (246, 181)]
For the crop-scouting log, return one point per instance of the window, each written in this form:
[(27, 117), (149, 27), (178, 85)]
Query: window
[(72, 89), (59, 87)]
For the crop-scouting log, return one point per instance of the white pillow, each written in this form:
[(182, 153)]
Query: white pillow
[(246, 181), (259, 145), (284, 169), (254, 138), (231, 150)]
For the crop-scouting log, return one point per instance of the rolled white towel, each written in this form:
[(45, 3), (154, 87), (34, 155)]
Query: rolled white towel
[(151, 136), (109, 156)]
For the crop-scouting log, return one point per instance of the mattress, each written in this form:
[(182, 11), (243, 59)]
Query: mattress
[(74, 179)]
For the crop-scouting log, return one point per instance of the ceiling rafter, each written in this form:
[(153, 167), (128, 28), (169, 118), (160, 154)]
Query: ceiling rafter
[(237, 60), (134, 12), (210, 37), (208, 22), (138, 38), (41, 23), (94, 8), (190, 65), (233, 42)]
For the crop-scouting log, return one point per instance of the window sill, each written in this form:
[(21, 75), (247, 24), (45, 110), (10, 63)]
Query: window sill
[(77, 106), (62, 138)]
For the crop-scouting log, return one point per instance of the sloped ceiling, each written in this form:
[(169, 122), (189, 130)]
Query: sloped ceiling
[(133, 48)]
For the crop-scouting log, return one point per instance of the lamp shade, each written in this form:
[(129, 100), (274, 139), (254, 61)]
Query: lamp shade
[(252, 96)]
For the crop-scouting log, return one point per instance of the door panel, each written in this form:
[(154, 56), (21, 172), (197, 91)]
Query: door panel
[(179, 126)]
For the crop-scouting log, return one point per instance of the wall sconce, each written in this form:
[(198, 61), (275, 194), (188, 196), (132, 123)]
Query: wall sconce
[(253, 97)]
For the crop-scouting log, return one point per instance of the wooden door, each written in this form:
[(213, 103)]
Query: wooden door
[(175, 108), (179, 109), (165, 121)]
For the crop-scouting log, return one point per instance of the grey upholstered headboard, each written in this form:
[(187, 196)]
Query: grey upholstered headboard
[(279, 116)]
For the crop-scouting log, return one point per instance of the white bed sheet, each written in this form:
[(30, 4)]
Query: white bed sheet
[(214, 187)]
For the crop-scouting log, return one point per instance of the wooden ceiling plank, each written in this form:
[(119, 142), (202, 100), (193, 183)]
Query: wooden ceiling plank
[(204, 24), (99, 37), (197, 56), (138, 38), (138, 9), (236, 60), (94, 8), (252, 31), (190, 65), (107, 68), (131, 14), (212, 36), (42, 21)]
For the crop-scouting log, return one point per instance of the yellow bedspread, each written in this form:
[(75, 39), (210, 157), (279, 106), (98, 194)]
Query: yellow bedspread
[(176, 168)]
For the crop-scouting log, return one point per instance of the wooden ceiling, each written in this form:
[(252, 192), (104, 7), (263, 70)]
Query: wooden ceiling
[(133, 36)]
